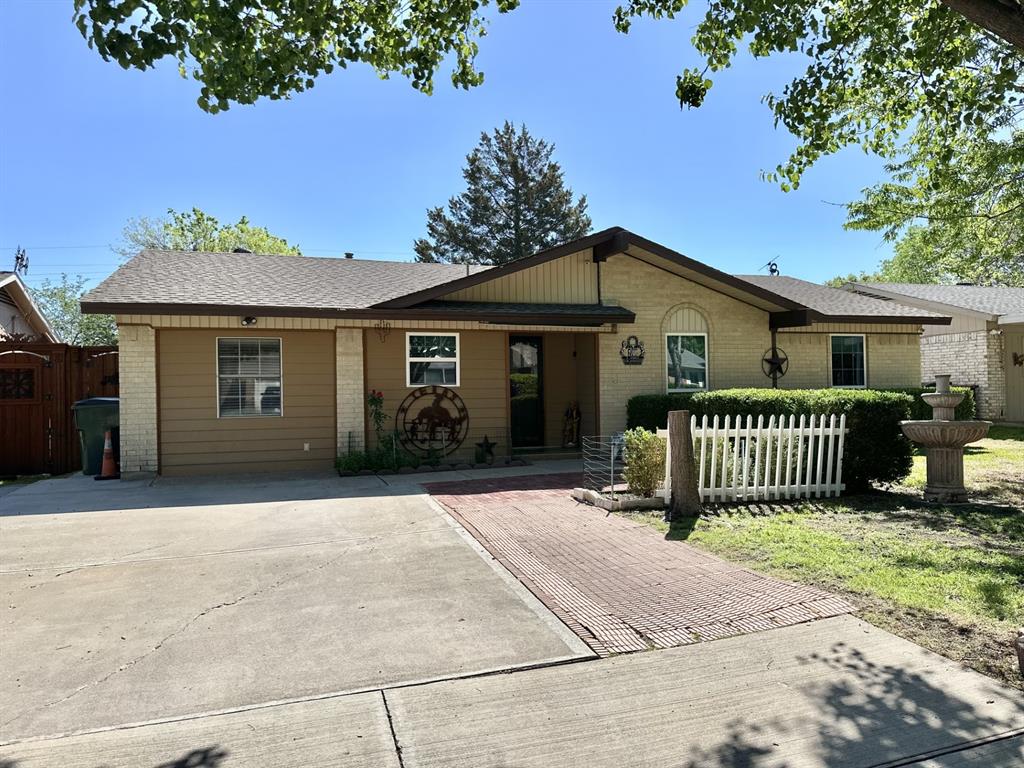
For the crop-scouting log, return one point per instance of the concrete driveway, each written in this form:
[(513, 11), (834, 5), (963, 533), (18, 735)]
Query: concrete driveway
[(130, 602)]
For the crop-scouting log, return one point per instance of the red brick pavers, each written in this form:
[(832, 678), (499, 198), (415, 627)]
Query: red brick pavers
[(620, 585)]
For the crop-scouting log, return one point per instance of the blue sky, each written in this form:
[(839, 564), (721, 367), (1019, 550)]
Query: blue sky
[(353, 164)]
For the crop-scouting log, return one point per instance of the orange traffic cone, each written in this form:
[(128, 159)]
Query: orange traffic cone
[(109, 469)]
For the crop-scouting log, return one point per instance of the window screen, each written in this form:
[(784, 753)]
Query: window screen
[(249, 377), (848, 369)]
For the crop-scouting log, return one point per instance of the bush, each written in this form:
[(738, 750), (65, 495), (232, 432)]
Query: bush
[(876, 450), (645, 461), (651, 411), (919, 409)]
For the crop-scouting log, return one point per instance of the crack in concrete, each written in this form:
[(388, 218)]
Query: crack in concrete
[(184, 627)]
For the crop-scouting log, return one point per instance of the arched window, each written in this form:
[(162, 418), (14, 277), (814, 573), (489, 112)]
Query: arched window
[(686, 350)]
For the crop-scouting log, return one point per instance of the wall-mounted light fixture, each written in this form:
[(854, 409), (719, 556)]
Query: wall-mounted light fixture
[(247, 321)]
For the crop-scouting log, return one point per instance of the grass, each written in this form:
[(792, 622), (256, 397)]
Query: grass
[(950, 578), (993, 467)]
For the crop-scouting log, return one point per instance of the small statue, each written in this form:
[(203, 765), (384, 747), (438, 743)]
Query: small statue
[(571, 426)]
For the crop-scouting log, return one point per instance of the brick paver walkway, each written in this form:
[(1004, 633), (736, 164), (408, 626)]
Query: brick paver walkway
[(620, 585)]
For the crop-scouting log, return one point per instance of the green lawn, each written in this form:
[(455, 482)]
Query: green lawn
[(948, 577)]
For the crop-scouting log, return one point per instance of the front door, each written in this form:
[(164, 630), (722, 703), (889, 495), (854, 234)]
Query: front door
[(526, 390)]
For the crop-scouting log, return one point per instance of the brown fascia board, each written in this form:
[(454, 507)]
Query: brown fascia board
[(803, 318), (223, 310), (596, 240)]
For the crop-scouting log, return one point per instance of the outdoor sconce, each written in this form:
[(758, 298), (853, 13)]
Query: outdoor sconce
[(247, 321)]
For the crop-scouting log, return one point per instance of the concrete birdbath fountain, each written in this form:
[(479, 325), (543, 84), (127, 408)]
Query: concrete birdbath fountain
[(944, 439)]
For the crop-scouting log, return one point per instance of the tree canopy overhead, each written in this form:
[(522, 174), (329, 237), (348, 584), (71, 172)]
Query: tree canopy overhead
[(197, 230), (515, 204), (247, 49)]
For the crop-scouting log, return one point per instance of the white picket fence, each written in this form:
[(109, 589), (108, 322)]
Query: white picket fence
[(740, 459)]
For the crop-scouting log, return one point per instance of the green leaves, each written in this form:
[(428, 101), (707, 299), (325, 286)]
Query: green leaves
[(244, 50), (515, 204), (197, 230), (59, 303)]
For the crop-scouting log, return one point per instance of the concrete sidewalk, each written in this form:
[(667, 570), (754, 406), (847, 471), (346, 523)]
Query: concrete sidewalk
[(836, 693)]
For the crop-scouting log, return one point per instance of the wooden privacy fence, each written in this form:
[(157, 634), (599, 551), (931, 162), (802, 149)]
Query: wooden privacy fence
[(39, 382), (743, 459)]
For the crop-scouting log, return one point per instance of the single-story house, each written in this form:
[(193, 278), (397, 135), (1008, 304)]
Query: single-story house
[(982, 347), (246, 362), (20, 318)]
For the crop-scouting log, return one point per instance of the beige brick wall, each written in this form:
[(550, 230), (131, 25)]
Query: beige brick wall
[(973, 359), (351, 395), (737, 335), (137, 363), (893, 359)]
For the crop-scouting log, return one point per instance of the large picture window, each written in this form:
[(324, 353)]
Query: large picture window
[(686, 357), (848, 361), (432, 359), (248, 377)]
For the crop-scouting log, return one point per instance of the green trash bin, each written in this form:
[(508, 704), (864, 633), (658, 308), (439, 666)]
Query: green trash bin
[(93, 417)]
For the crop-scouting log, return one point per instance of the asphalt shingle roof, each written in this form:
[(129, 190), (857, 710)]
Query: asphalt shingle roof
[(833, 301), (260, 280), (992, 300)]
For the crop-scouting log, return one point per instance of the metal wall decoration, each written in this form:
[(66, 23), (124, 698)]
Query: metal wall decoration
[(775, 362), (1018, 359), (632, 351), (383, 328), (432, 419)]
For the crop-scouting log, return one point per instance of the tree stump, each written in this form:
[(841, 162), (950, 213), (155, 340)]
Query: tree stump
[(685, 493)]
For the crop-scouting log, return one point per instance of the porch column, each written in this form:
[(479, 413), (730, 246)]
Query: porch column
[(137, 382), (349, 384)]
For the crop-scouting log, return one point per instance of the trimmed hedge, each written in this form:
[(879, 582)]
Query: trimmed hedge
[(876, 449)]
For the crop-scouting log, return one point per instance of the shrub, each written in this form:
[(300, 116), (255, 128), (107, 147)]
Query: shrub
[(876, 450), (919, 409), (645, 461), (651, 411)]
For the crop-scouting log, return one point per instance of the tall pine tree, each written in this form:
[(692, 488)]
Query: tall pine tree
[(515, 204)]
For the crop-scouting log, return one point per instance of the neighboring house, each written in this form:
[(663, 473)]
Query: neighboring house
[(983, 347), (242, 362), (20, 318)]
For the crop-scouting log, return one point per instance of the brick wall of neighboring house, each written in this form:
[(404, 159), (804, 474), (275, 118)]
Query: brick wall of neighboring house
[(138, 417), (351, 397), (973, 359)]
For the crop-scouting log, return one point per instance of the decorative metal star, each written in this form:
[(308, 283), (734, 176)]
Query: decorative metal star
[(773, 363), (486, 446)]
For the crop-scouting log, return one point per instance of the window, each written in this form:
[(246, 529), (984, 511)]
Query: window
[(848, 361), (686, 356), (432, 359), (248, 377)]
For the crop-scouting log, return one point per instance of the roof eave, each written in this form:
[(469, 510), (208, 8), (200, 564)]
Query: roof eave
[(914, 301), (538, 317)]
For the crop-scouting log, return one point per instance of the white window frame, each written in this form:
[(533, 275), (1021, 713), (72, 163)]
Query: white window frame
[(864, 342), (409, 359), (707, 363), (216, 376)]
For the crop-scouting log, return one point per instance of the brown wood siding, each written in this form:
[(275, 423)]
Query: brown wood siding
[(193, 440), (560, 365), (483, 383), (1013, 342), (586, 382)]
